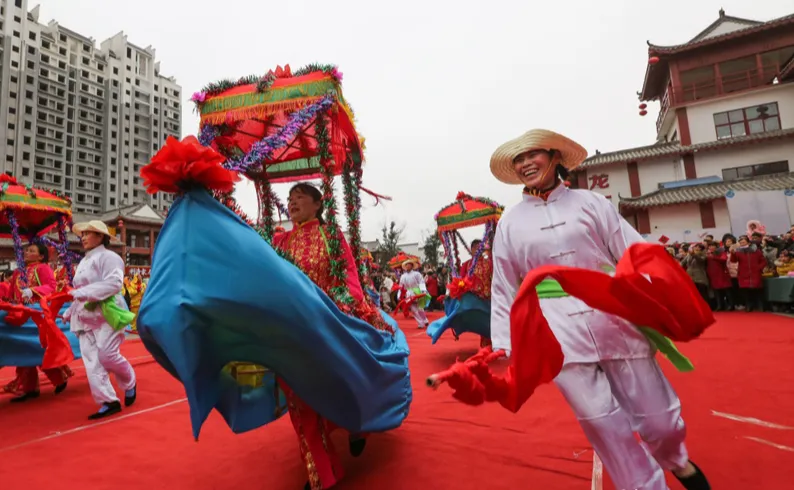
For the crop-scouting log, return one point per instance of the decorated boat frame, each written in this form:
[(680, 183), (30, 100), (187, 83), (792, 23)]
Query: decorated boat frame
[(465, 311), (31, 335), (28, 214), (279, 128), (396, 262), (287, 127)]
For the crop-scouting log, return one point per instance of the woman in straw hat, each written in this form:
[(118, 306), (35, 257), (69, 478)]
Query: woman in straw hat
[(100, 277), (609, 375), (414, 285)]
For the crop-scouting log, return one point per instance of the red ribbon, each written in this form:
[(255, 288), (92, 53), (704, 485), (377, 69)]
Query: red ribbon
[(57, 349), (668, 303), (377, 197)]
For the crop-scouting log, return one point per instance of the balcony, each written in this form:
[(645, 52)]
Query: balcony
[(722, 85)]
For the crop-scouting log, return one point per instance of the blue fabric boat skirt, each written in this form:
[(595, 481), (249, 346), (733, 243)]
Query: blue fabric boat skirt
[(470, 314), (20, 346), (219, 293)]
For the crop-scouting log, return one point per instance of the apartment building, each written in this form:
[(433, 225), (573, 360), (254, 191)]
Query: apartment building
[(78, 117)]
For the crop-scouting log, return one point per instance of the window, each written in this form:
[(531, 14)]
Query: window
[(750, 120), (748, 171)]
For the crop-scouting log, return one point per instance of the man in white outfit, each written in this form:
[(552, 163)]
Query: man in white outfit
[(610, 377), (100, 277), (414, 284)]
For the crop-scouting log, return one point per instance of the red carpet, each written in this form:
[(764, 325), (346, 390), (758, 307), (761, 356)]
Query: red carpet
[(742, 370)]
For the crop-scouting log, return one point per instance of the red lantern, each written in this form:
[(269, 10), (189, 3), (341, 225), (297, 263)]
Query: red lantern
[(653, 60), (643, 106), (642, 113)]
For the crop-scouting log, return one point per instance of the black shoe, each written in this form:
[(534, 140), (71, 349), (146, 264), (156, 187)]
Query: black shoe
[(59, 389), (130, 396), (696, 481), (357, 446), (27, 396), (107, 410), (308, 486)]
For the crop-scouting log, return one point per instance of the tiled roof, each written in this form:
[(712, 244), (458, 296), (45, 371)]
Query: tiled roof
[(656, 75), (128, 213), (708, 192), (699, 40), (721, 20), (633, 154), (664, 149)]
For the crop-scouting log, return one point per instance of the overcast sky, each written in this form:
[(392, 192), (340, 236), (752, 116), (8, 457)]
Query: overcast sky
[(436, 85)]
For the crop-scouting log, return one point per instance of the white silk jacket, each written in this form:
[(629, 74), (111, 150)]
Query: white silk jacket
[(575, 228), (99, 276)]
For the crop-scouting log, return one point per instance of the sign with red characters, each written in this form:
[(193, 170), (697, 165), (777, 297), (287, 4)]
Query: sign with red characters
[(138, 270), (600, 181)]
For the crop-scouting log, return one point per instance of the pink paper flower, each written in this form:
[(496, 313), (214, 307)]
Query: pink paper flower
[(199, 97)]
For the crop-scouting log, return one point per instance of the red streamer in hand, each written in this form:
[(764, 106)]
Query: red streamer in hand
[(666, 301)]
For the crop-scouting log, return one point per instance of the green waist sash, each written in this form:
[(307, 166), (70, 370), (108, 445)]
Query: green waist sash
[(549, 288), (423, 302), (117, 317)]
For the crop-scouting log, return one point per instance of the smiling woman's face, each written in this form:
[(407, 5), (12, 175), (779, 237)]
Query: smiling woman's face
[(302, 207), (534, 168)]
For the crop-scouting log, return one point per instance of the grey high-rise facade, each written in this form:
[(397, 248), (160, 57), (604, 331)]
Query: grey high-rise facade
[(80, 118)]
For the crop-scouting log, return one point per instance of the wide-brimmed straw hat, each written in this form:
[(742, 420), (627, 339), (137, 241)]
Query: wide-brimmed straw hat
[(93, 225), (413, 262), (571, 152)]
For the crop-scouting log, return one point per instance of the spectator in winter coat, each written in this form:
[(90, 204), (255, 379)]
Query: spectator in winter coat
[(784, 264), (751, 263), (719, 279), (728, 241), (695, 264)]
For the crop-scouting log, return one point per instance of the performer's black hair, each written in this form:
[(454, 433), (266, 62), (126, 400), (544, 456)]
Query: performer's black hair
[(43, 251), (314, 193)]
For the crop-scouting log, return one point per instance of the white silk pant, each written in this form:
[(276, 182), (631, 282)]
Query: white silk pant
[(613, 400), (419, 315), (101, 356)]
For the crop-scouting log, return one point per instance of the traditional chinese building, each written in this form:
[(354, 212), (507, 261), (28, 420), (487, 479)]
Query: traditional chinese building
[(135, 228), (725, 135)]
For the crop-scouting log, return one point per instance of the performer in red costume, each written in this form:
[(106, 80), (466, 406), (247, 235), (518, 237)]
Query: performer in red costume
[(482, 275), (307, 243), (40, 283), (561, 316)]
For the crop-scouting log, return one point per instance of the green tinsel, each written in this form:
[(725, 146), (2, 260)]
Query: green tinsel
[(266, 205), (351, 179), (215, 88), (340, 292), (310, 68)]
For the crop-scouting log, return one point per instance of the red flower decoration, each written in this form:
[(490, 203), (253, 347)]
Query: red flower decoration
[(7, 178), (460, 286), (461, 196), (187, 161)]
